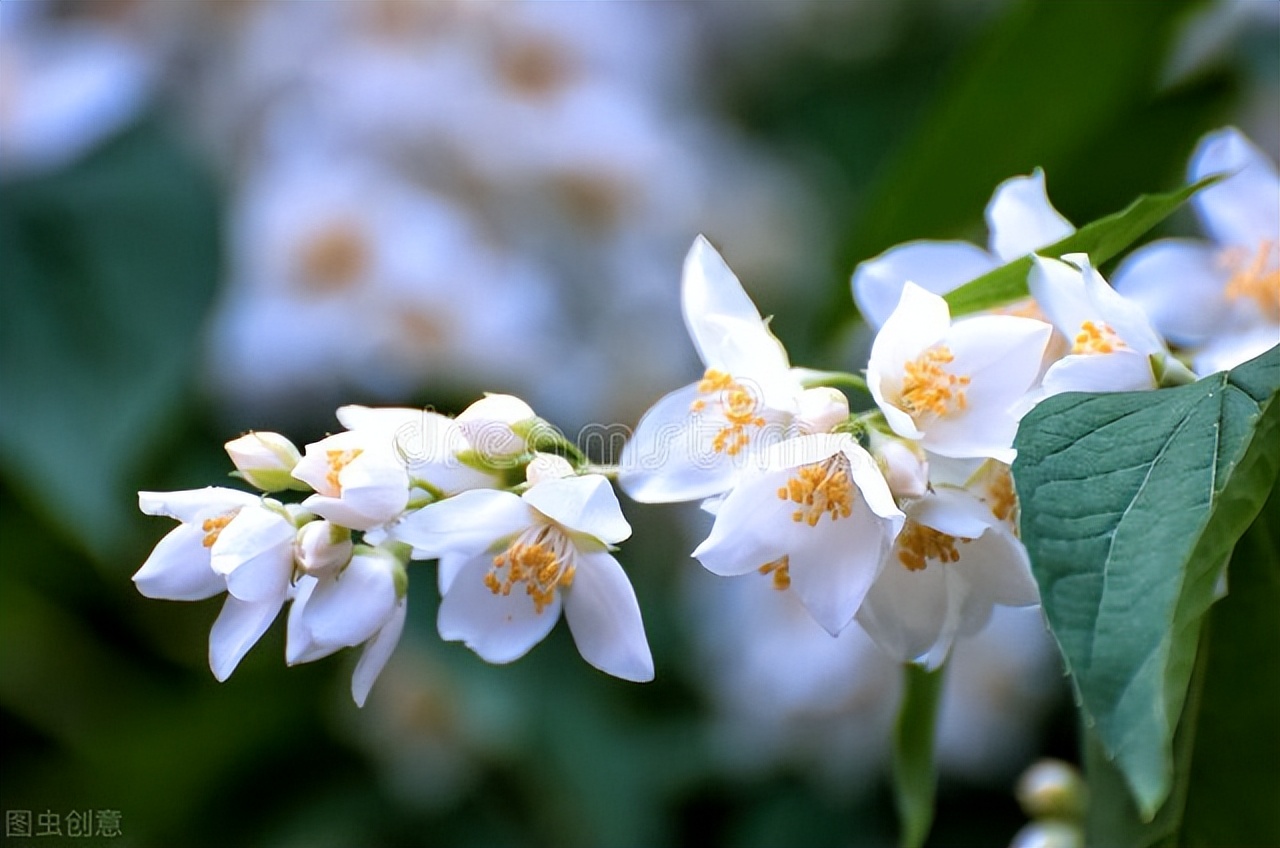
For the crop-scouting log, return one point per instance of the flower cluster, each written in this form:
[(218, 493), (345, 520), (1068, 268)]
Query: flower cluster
[(395, 485), (902, 517)]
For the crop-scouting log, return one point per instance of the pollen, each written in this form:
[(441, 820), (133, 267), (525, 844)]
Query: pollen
[(1097, 337), (1256, 277), (818, 489), (1000, 495), (212, 527), (781, 570), (739, 406), (929, 388), (918, 545), (540, 558), (338, 460)]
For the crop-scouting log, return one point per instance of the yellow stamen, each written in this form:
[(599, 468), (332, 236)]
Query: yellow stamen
[(738, 405), (1097, 337), (541, 558), (1257, 278), (820, 488), (1000, 494), (918, 544), (334, 258), (928, 388), (338, 460), (212, 527), (781, 570)]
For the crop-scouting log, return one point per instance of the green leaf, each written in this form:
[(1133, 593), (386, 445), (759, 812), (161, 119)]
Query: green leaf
[(1226, 746), (1103, 239), (914, 777), (109, 268), (1131, 504)]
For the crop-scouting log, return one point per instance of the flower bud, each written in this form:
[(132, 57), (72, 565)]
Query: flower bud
[(265, 460), (904, 466), (1051, 789), (547, 466), (321, 548), (489, 423), (1048, 834), (820, 409)]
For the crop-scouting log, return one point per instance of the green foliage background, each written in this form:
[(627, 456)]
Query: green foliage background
[(108, 270)]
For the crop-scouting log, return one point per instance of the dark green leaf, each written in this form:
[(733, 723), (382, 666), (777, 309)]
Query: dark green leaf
[(1103, 239), (914, 777), (1131, 504), (109, 268)]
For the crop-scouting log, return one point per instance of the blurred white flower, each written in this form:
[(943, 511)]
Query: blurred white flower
[(1020, 219), (1220, 299), (954, 387), (64, 87), (552, 547)]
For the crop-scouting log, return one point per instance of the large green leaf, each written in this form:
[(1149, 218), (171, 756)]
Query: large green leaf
[(109, 267), (1102, 239), (1131, 504), (1226, 746)]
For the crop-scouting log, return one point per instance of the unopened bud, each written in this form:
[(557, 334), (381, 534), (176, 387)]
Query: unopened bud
[(266, 460), (547, 466), (1048, 834), (321, 548), (904, 466), (821, 409), (1051, 789), (489, 426)]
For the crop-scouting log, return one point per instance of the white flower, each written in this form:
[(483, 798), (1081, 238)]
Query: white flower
[(1112, 339), (954, 387), (361, 604), (362, 477), (1221, 299), (1020, 219), (508, 563), (228, 541), (694, 442), (956, 558), (818, 516), (322, 548), (265, 460)]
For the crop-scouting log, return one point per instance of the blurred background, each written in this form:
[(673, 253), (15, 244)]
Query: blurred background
[(218, 215)]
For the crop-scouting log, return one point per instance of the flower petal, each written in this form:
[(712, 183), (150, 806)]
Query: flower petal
[(604, 617), (1243, 209), (254, 552), (936, 266), (376, 653), (178, 568), (1122, 371), (753, 526), (468, 523), (348, 609), (194, 505), (1020, 218), (500, 628), (583, 504), (1227, 352), (670, 457), (1180, 285), (913, 615), (300, 647), (834, 563), (237, 629)]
